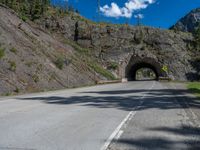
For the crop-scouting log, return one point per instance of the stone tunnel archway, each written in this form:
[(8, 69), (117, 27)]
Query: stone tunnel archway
[(137, 63)]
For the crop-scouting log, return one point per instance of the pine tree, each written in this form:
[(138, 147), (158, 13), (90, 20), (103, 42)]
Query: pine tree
[(36, 9), (44, 6), (32, 9)]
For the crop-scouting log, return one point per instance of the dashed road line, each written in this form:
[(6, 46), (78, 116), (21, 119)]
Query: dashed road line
[(118, 131)]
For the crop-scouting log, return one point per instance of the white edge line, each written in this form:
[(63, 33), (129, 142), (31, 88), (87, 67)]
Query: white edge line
[(128, 117), (112, 136), (119, 134)]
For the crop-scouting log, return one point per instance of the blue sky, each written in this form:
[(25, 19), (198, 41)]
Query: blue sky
[(156, 13)]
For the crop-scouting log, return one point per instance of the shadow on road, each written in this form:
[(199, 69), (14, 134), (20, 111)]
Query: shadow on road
[(127, 100), (123, 99), (161, 143)]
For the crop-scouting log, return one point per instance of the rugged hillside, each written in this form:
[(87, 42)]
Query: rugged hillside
[(62, 50), (114, 45), (31, 59), (189, 23)]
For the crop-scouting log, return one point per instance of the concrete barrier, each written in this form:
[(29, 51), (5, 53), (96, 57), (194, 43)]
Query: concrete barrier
[(108, 82)]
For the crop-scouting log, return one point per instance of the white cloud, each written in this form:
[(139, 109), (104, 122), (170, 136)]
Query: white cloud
[(140, 16), (113, 11), (129, 8)]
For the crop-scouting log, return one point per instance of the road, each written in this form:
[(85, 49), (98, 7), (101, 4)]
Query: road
[(124, 116)]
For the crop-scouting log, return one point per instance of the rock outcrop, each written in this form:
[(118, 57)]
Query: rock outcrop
[(127, 45), (189, 23)]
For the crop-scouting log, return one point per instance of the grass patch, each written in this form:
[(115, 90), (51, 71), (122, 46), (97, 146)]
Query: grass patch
[(35, 78), (194, 87), (2, 52), (113, 66), (97, 68), (13, 66), (16, 90), (23, 17), (59, 63), (77, 47), (14, 50)]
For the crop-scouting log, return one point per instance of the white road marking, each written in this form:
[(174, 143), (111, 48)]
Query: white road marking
[(118, 132)]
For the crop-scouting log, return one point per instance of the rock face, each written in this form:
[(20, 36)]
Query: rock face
[(189, 23), (134, 47)]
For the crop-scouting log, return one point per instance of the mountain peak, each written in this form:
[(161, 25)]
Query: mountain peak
[(189, 23)]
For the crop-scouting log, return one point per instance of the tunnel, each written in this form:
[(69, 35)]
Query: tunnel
[(137, 63)]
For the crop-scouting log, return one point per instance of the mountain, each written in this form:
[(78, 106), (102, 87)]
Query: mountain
[(189, 23)]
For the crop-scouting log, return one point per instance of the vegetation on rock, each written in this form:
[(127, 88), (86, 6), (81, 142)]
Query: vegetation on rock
[(59, 63), (13, 66), (97, 68), (194, 87), (2, 52)]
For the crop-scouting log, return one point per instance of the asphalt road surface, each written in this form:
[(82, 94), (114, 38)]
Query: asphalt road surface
[(126, 116)]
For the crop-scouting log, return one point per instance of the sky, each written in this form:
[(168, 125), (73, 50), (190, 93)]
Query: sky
[(156, 13)]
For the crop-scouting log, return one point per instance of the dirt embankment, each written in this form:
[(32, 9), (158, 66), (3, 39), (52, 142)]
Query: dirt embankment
[(31, 59)]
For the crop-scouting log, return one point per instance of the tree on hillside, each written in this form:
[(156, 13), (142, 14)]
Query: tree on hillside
[(32, 9), (45, 4), (36, 11)]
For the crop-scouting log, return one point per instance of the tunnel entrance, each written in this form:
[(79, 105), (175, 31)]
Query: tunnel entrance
[(145, 74), (143, 69)]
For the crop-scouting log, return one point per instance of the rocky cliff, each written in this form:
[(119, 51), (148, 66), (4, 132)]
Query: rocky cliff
[(122, 44), (189, 23)]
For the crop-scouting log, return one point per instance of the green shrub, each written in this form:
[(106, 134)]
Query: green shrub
[(16, 90), (14, 50), (24, 18), (8, 94), (59, 63), (2, 52), (194, 87), (35, 78), (13, 65)]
